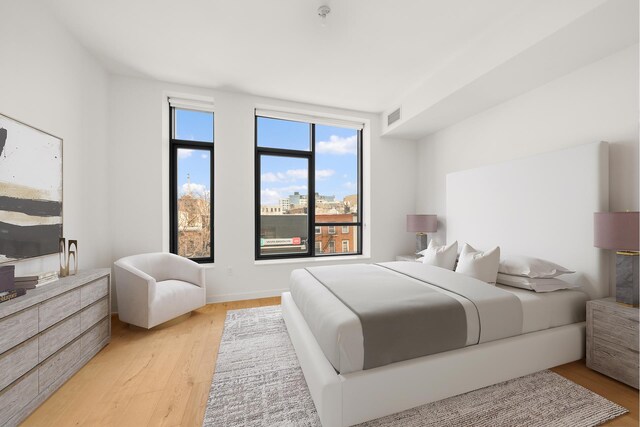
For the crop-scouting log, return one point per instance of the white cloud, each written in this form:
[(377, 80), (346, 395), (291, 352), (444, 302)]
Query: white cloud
[(270, 177), (204, 155), (291, 175), (349, 185), (296, 174), (183, 153), (272, 196), (324, 173), (338, 145), (196, 189)]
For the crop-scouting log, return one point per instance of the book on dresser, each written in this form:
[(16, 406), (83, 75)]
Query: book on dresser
[(47, 335), (10, 294), (35, 281)]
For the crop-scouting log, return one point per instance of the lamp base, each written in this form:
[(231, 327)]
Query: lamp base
[(627, 274), (421, 242)]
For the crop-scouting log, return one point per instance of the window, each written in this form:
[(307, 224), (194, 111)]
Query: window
[(312, 168), (345, 246), (191, 154)]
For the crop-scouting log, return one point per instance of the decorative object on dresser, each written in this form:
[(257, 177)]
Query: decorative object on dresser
[(612, 340), (66, 254), (11, 294), (7, 279), (422, 224), (35, 281), (156, 287), (47, 336), (30, 189), (619, 231)]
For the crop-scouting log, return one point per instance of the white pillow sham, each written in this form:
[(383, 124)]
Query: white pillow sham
[(478, 264), (440, 256), (519, 265), (534, 284)]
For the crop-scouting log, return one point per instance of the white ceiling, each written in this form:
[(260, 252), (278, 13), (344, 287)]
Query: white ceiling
[(370, 54)]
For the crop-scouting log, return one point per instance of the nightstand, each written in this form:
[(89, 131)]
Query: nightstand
[(612, 340), (409, 257)]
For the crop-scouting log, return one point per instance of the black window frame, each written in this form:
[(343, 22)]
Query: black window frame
[(311, 202), (174, 145)]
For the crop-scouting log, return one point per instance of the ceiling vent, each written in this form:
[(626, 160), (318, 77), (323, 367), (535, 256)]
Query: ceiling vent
[(393, 117)]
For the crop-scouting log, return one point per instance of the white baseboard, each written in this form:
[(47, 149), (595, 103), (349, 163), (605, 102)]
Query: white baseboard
[(245, 296)]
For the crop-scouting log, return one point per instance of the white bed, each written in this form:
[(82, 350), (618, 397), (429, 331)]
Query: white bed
[(540, 206), (338, 330)]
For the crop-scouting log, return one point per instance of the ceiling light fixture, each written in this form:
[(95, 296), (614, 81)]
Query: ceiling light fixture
[(323, 11)]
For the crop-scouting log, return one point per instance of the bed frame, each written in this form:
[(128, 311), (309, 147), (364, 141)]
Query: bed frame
[(572, 184)]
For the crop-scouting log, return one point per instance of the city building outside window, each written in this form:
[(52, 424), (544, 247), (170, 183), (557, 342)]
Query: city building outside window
[(311, 168)]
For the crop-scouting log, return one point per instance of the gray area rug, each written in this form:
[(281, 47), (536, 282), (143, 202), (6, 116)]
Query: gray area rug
[(258, 382)]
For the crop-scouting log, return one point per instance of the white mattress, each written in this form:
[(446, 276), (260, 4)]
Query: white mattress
[(339, 332)]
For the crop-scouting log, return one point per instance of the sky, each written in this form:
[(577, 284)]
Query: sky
[(194, 126), (336, 160), (336, 157)]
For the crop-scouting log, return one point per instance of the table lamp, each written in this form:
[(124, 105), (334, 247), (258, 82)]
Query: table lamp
[(421, 225), (619, 231)]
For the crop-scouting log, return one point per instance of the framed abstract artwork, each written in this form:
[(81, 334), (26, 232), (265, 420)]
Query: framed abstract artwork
[(30, 191)]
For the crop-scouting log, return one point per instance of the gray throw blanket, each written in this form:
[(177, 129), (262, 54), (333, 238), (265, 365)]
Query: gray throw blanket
[(401, 319)]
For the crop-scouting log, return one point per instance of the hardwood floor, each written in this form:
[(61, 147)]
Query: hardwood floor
[(162, 377)]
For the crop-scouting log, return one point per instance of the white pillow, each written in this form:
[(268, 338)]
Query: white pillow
[(534, 284), (525, 266), (440, 256), (478, 264)]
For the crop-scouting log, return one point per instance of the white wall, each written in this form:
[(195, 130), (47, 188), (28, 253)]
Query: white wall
[(139, 173), (596, 103), (49, 81)]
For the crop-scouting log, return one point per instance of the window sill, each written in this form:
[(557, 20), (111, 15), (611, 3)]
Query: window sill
[(311, 260)]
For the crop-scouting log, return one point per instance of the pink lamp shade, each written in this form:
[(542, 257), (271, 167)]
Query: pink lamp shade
[(422, 223), (616, 230)]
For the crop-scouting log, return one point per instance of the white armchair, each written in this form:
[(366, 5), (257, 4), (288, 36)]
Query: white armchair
[(156, 287)]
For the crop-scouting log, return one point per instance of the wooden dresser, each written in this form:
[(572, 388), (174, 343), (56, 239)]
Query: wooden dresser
[(612, 340), (47, 335)]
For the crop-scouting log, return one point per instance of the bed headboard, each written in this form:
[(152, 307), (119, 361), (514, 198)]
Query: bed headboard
[(540, 206)]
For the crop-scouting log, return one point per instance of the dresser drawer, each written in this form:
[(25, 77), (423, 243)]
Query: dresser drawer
[(619, 330), (94, 291), (21, 359), (615, 361), (91, 315), (17, 396), (58, 336), (56, 309), (54, 367), (18, 327), (95, 335)]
